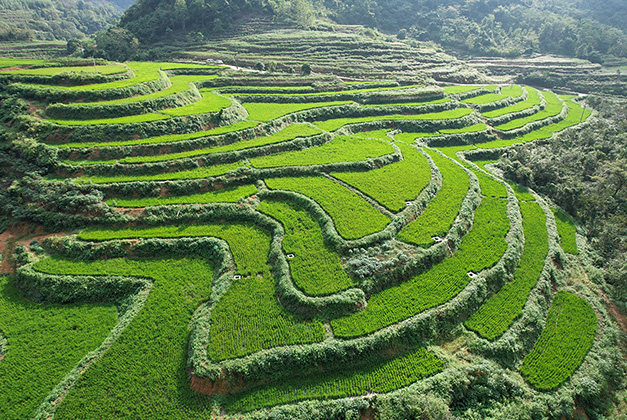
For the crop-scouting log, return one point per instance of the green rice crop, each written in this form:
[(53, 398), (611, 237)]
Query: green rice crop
[(375, 134), (437, 101), (46, 341), (179, 84), (315, 267), (496, 315), (568, 335), (567, 231), (513, 91), (481, 248), (532, 100), (242, 125), (442, 210), (210, 103), (228, 195), (14, 62), (380, 377), (334, 124), (353, 216), (553, 107), (410, 138), (469, 129), (457, 89), (340, 149), (288, 133), (259, 111), (51, 71), (144, 373), (131, 119), (394, 184), (482, 163), (522, 193), (197, 173), (339, 92)]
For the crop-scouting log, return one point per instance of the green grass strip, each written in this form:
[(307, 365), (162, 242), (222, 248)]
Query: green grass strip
[(334, 124), (315, 267), (512, 91), (259, 111), (382, 377), (210, 103), (437, 101), (403, 180), (228, 195), (353, 216), (46, 342), (410, 138), (532, 100), (568, 335), (288, 133), (553, 107), (498, 313), (469, 129), (15, 62), (131, 119), (443, 209), (567, 231), (340, 149), (457, 89), (339, 92), (51, 71), (480, 249), (170, 138), (202, 172)]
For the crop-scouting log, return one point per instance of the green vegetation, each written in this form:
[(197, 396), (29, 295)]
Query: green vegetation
[(340, 149), (469, 129), (353, 216), (242, 125), (513, 91), (288, 133), (210, 102), (155, 341), (315, 267), (532, 100), (228, 195), (457, 89), (570, 327), (567, 231), (443, 209), (410, 138), (131, 119), (553, 107), (480, 249), (496, 315), (51, 71), (202, 172), (381, 377), (335, 124), (341, 92), (46, 342), (436, 101), (403, 180), (258, 111)]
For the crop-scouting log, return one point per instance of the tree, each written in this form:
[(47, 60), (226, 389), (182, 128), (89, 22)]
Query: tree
[(116, 43), (306, 69), (180, 11)]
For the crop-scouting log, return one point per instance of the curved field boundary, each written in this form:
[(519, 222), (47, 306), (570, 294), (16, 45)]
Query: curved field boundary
[(568, 335)]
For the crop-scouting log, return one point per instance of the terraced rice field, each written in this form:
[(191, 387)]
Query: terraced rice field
[(261, 254)]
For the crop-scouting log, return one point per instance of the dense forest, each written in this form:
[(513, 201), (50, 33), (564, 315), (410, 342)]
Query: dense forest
[(24, 20), (583, 29)]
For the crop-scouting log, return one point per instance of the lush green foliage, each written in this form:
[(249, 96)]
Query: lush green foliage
[(210, 102), (155, 341), (442, 210), (51, 71), (315, 267), (228, 195), (258, 111), (340, 149), (506, 92), (480, 249), (46, 342), (411, 137), (469, 129), (131, 119), (496, 315), (567, 231), (335, 124), (381, 377), (570, 327), (532, 100), (288, 133), (553, 107), (403, 180), (353, 216)]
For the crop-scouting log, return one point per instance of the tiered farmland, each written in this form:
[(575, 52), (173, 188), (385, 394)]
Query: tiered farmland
[(242, 242)]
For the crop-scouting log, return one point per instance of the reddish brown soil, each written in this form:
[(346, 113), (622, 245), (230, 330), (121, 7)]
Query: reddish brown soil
[(20, 235), (368, 414), (224, 385)]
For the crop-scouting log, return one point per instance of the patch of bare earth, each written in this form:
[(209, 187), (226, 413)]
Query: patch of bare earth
[(20, 235)]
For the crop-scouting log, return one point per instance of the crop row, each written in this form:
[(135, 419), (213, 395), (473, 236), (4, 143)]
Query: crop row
[(481, 248)]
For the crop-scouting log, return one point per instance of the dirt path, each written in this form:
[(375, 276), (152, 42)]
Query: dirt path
[(20, 235)]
